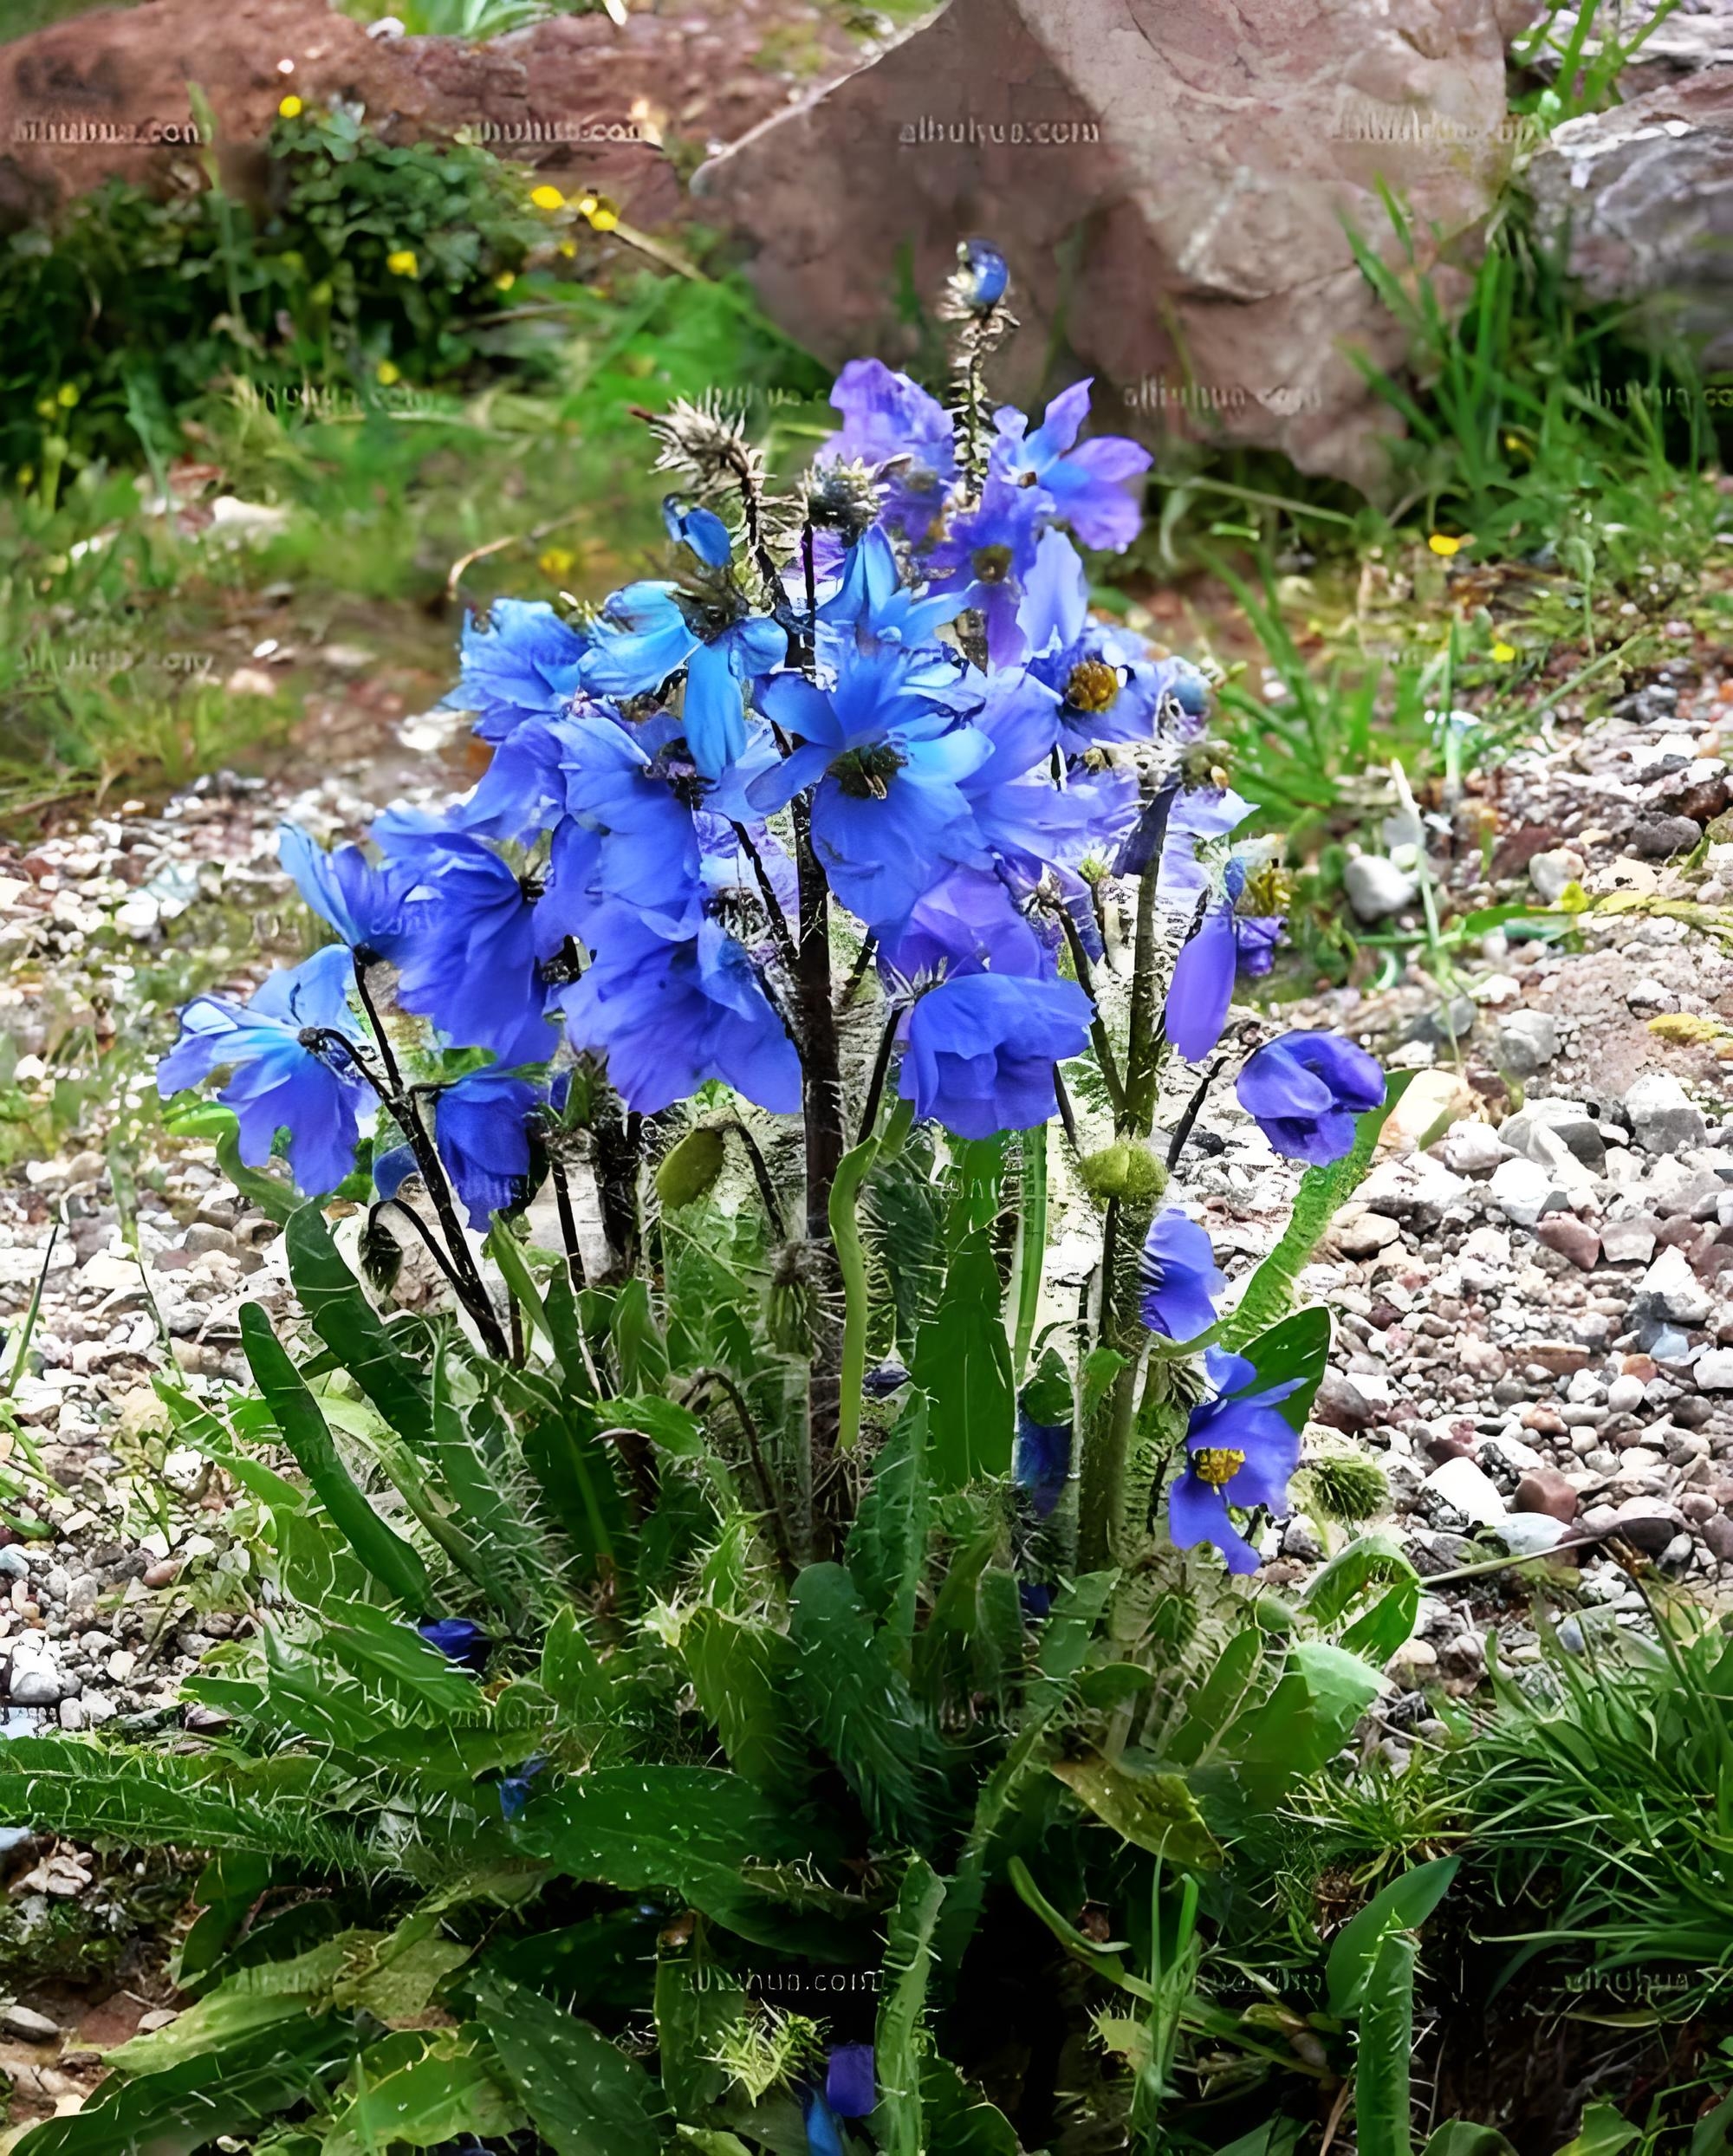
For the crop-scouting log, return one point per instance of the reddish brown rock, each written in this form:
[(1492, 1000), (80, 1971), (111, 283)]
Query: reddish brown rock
[(1544, 1490), (1558, 1356), (1169, 181), (1570, 1237)]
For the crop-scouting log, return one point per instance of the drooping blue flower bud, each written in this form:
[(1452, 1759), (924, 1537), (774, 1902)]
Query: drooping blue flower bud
[(981, 274), (701, 530)]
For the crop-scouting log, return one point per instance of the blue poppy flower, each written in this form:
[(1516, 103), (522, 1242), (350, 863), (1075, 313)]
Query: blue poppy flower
[(850, 2087), (1255, 935), (1090, 483), (283, 1077), (990, 554), (1240, 1451), (1021, 814), (522, 791), (872, 603), (481, 1125), (967, 922), (470, 963), (888, 818), (458, 1640), (515, 1792), (637, 789), (980, 1049), (982, 276), (1199, 817), (668, 1016), (699, 529), (1179, 1277), (1201, 988), (362, 903), (1113, 686), (824, 2135), (1304, 1090), (648, 630), (900, 432), (1042, 1462), (522, 664)]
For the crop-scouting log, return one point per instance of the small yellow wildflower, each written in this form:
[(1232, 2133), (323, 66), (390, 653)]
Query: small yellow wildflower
[(27, 475), (1503, 653), (568, 248), (1441, 542), (401, 262), (387, 372), (505, 280), (66, 395), (290, 108), (556, 562), (546, 198), (603, 218)]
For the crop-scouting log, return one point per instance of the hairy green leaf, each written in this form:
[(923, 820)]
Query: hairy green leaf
[(1155, 1811), (393, 1562), (585, 2097), (1404, 1905), (354, 1332), (962, 1363)]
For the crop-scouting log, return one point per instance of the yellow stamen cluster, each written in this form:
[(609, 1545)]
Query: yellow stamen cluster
[(1091, 685), (1217, 1464)]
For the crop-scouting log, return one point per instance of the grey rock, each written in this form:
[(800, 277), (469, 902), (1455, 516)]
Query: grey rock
[(1376, 888), (1647, 192), (1670, 1289), (1526, 1041), (33, 1685), (1658, 838), (25, 2021), (1630, 1242), (1663, 1115), (1551, 873), (1567, 1120), (1530, 1533), (13, 1564), (1713, 1370)]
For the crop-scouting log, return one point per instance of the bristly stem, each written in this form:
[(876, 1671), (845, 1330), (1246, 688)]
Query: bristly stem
[(568, 1224), (767, 891), (857, 973), (400, 1100), (1098, 1030), (821, 1111), (750, 1431), (1031, 1247), (1194, 1109), (882, 1066), (761, 1175)]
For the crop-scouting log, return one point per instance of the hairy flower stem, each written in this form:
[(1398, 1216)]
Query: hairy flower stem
[(821, 1110), (400, 1100), (619, 1145), (568, 1225), (1109, 1430)]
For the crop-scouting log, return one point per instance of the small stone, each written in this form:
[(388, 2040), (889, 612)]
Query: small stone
[(1474, 1148), (1658, 838), (1551, 873), (1545, 1489), (1522, 1190), (1571, 1237), (1662, 1115), (1650, 994), (1376, 888), (25, 2021), (1415, 1664), (1526, 1041), (1557, 1358), (203, 1236), (1672, 1291), (1646, 1525), (33, 1685), (164, 1573), (1717, 1535), (1468, 1490), (1713, 1370), (1365, 1234), (1629, 1241), (1624, 1395), (1340, 1405), (1569, 1122), (1530, 1533)]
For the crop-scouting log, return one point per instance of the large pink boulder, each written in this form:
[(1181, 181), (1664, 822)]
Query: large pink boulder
[(1171, 180)]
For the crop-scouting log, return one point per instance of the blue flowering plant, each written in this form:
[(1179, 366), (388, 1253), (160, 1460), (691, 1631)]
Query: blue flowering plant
[(724, 1520)]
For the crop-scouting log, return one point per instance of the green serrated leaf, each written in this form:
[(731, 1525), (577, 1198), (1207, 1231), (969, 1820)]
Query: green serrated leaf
[(340, 1313), (585, 2096), (962, 1363), (1404, 1905), (899, 2046), (1156, 1811), (391, 1560)]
